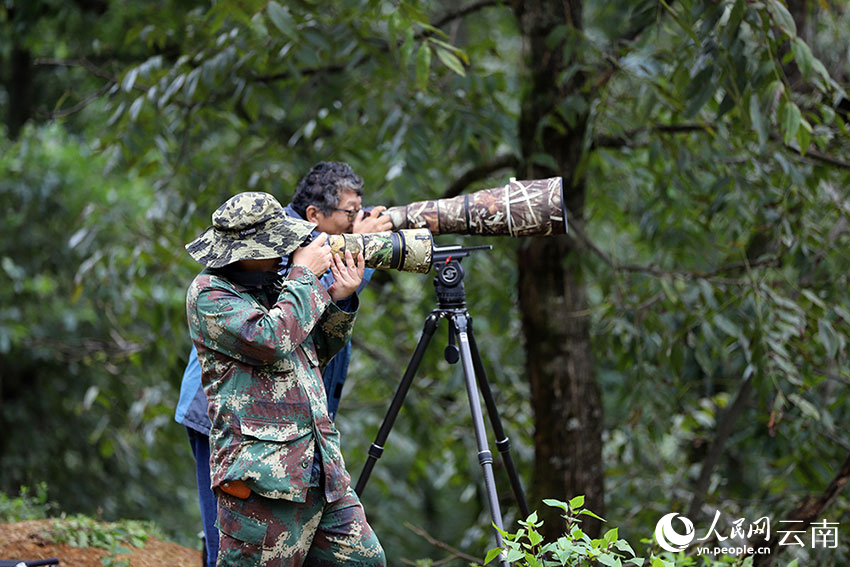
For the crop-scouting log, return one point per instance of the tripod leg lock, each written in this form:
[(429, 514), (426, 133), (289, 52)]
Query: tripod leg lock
[(485, 458), (375, 451), (504, 445)]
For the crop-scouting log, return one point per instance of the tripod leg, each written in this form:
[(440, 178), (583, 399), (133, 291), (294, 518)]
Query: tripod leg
[(377, 447), (485, 458), (503, 444)]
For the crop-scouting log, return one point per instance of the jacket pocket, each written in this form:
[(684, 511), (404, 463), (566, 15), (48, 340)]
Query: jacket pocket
[(278, 431), (275, 456), (241, 527)]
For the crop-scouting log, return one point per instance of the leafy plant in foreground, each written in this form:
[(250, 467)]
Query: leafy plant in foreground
[(82, 531), (25, 506), (575, 548), (527, 548)]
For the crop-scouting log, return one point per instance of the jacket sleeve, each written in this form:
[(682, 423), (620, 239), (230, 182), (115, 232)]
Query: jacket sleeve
[(235, 325), (334, 329)]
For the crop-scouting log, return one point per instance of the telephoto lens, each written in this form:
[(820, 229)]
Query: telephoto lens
[(408, 250), (534, 207)]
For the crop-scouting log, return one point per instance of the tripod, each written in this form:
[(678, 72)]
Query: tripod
[(451, 305)]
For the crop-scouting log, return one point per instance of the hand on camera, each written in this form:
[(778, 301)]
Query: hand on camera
[(316, 257), (347, 275), (374, 222)]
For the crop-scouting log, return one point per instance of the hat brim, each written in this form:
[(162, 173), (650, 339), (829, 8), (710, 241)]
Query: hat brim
[(278, 237)]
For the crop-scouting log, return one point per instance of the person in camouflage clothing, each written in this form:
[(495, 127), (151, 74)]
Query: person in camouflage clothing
[(284, 495)]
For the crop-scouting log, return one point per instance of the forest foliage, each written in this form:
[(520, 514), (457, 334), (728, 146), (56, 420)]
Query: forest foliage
[(713, 241)]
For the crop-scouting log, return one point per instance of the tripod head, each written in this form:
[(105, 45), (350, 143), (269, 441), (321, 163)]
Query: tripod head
[(448, 282)]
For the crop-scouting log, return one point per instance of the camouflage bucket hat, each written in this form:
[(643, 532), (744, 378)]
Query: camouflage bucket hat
[(248, 226)]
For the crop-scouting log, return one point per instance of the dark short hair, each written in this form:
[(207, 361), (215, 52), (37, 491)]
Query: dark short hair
[(323, 185)]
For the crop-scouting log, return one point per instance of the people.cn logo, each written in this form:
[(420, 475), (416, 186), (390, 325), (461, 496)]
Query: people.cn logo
[(671, 540)]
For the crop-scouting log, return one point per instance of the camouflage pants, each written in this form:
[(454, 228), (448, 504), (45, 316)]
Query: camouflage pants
[(261, 532)]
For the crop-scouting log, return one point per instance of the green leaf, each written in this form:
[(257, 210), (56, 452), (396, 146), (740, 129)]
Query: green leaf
[(735, 18), (700, 90), (451, 61), (806, 407), (842, 312), (433, 30), (803, 57), (782, 17), (610, 561), (407, 47), (563, 505), (423, 66), (413, 12), (758, 119), (804, 136), (282, 19), (461, 54), (727, 326), (790, 120), (592, 515), (531, 560), (828, 337), (492, 554), (623, 545), (116, 116), (129, 79), (136, 108), (577, 502), (394, 24)]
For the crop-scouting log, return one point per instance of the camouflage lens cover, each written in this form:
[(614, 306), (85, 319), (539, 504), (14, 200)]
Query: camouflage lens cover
[(405, 250), (533, 207)]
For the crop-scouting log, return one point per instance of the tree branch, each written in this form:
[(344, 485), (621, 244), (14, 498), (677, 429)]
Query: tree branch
[(83, 103), (725, 427), (625, 139), (329, 69), (79, 62), (480, 172), (442, 545), (813, 154)]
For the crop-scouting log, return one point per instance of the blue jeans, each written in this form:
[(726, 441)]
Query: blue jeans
[(209, 506)]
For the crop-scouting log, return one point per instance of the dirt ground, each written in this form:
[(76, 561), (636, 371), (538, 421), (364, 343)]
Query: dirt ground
[(23, 541)]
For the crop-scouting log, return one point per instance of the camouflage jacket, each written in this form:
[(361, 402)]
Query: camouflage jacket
[(260, 371)]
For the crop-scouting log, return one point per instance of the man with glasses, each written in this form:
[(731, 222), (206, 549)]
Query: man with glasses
[(330, 196)]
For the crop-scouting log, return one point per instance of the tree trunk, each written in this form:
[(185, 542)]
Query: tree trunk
[(20, 90), (552, 295)]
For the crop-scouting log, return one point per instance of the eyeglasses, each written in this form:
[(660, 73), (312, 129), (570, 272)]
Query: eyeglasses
[(352, 213)]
